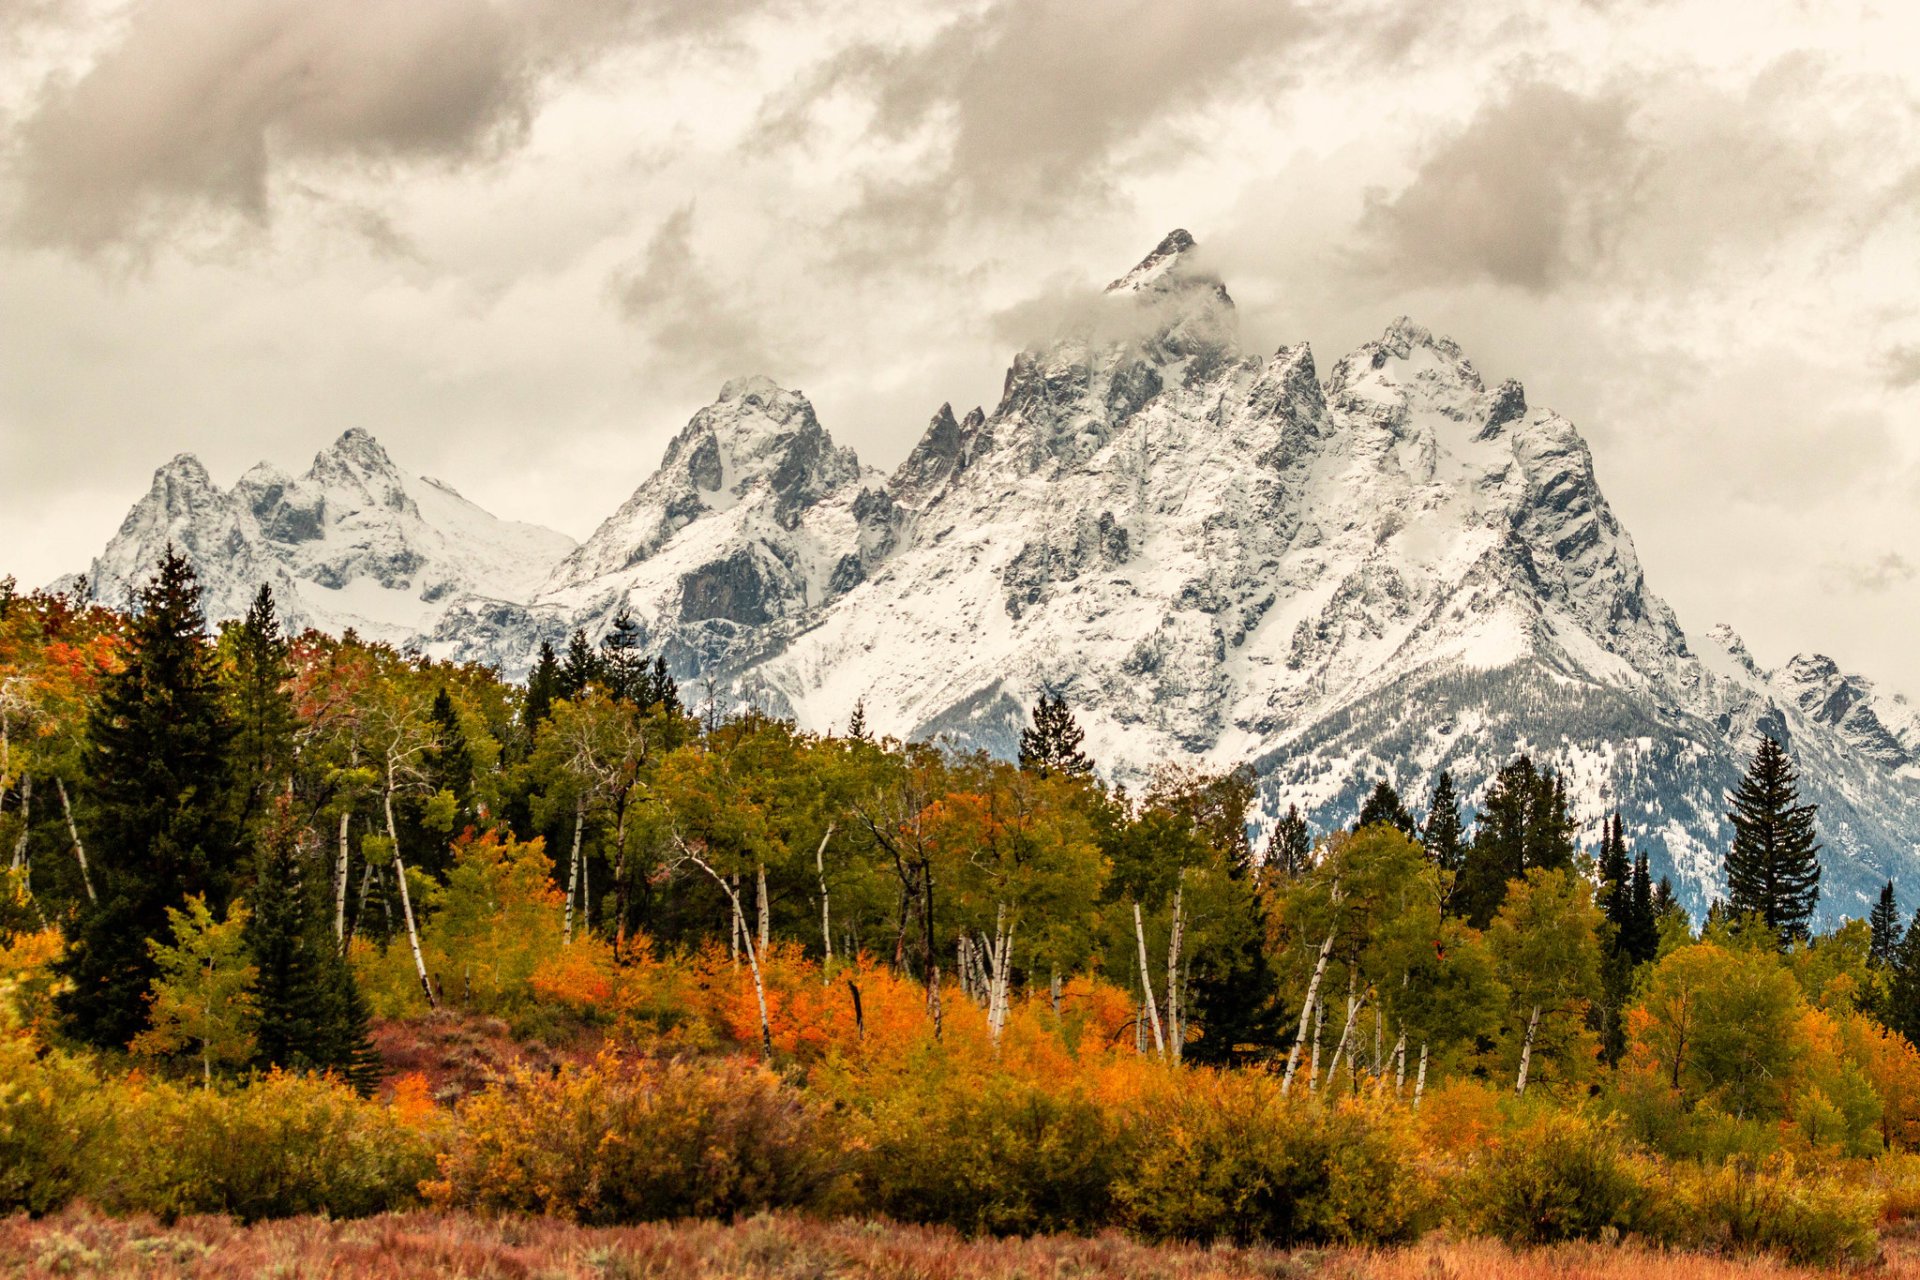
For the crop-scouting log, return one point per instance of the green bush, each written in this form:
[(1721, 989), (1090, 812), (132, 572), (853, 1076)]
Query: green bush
[(995, 1155), (280, 1146), (637, 1140), (1227, 1157), (1768, 1207), (1553, 1176)]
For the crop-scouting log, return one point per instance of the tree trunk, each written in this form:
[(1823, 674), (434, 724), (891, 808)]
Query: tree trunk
[(1176, 1033), (620, 897), (1306, 1012), (573, 863), (406, 898), (1053, 992), (1346, 1030), (765, 908), (1526, 1052), (340, 886), (1146, 984), (1420, 1080), (26, 822), (826, 915), (753, 956), (859, 1014), (73, 833)]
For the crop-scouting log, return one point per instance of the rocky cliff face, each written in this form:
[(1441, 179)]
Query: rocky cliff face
[(1218, 557)]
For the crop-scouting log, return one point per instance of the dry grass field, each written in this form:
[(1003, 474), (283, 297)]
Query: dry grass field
[(414, 1245)]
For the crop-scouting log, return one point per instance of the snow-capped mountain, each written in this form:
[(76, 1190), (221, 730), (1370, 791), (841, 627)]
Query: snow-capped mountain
[(1218, 557), (352, 543)]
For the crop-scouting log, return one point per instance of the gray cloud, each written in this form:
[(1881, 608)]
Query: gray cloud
[(199, 103), (1529, 192), (1901, 366), (678, 300), (1882, 574), (1028, 104)]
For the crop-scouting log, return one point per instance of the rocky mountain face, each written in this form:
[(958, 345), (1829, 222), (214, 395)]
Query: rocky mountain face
[(1218, 557), (352, 543)]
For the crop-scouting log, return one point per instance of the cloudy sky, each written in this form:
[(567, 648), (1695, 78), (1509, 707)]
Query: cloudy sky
[(521, 241)]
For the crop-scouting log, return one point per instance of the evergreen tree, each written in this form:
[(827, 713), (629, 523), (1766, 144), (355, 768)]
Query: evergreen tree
[(623, 667), (1885, 923), (292, 952), (1443, 837), (1497, 854), (1383, 806), (857, 722), (1642, 936), (660, 689), (162, 822), (1903, 991), (580, 668), (543, 686), (1616, 880), (349, 1047), (1773, 868), (1052, 745), (1549, 835), (449, 762), (1290, 848), (261, 707)]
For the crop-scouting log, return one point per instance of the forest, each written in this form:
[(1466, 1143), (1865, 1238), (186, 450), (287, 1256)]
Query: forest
[(304, 925)]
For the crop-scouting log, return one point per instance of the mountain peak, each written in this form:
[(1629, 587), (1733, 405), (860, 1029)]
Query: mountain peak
[(183, 468), (1156, 265)]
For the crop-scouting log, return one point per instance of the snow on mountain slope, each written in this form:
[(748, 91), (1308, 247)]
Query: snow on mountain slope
[(352, 543)]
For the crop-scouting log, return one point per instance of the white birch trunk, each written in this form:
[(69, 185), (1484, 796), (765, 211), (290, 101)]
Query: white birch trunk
[(573, 864), (340, 886), (73, 833), (1420, 1080), (406, 898), (1176, 1033), (1526, 1052), (740, 931), (1146, 983), (765, 908), (1306, 1009), (1346, 1030), (26, 822), (826, 916)]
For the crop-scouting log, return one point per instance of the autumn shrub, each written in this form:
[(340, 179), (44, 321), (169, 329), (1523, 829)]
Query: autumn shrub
[(632, 1140), (1223, 1155), (989, 1153), (1771, 1206), (49, 1126), (279, 1146), (1555, 1175)]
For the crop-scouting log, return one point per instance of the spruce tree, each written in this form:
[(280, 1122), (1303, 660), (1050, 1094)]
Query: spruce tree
[(543, 686), (857, 722), (1383, 806), (1443, 836), (1903, 991), (162, 819), (449, 762), (1290, 848), (349, 1048), (660, 689), (1885, 924), (1773, 868), (261, 707), (623, 666), (1642, 940), (292, 951), (1052, 745), (1616, 880), (580, 668)]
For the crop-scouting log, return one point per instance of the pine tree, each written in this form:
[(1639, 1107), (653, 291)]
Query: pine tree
[(1616, 880), (162, 822), (292, 951), (1903, 992), (349, 1048), (1290, 848), (1549, 836), (857, 722), (1885, 924), (543, 686), (1443, 836), (1524, 825), (261, 707), (449, 762), (1773, 868), (623, 666), (580, 668), (1383, 806), (1052, 745), (661, 690), (1642, 940)]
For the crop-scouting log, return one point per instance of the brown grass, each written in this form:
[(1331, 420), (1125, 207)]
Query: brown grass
[(81, 1243)]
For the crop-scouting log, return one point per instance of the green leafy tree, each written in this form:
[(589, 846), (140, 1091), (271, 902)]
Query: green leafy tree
[(1773, 868), (1718, 1025), (1546, 939), (202, 998), (1052, 745), (163, 818)]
